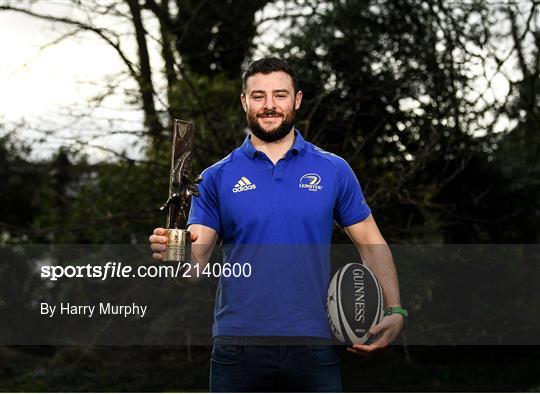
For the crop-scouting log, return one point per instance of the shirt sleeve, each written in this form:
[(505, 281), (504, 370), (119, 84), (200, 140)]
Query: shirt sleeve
[(205, 208), (351, 206)]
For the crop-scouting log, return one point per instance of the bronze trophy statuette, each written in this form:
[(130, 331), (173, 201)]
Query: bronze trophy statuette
[(181, 188)]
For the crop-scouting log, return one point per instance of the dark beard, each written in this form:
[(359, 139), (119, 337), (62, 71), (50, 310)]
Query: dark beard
[(272, 135)]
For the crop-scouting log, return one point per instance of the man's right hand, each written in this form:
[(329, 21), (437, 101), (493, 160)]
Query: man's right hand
[(158, 242)]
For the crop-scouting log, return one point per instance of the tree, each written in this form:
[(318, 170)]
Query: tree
[(399, 114)]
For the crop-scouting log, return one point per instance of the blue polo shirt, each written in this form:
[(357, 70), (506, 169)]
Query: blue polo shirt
[(279, 219)]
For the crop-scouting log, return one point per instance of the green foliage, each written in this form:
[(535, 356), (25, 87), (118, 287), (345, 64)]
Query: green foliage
[(384, 86), (215, 38), (21, 181), (213, 104)]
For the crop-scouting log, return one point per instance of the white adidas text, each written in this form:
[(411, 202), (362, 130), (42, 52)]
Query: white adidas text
[(243, 188)]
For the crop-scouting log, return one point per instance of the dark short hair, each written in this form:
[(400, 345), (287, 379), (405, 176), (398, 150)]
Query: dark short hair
[(267, 65)]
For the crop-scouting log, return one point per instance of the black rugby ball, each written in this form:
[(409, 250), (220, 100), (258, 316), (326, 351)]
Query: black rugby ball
[(354, 304)]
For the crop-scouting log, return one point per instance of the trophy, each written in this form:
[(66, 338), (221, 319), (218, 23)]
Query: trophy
[(181, 188)]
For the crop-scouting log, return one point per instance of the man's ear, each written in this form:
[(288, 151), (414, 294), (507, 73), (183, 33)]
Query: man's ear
[(297, 100), (243, 101)]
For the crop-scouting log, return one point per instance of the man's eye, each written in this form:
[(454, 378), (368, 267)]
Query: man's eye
[(258, 97), (281, 96)]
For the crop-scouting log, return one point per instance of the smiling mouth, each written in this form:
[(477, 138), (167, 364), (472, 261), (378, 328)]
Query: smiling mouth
[(270, 116)]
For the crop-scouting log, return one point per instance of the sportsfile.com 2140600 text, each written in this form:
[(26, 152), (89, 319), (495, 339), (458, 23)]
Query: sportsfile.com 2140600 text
[(113, 269)]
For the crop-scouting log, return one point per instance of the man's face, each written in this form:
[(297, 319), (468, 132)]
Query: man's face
[(270, 105)]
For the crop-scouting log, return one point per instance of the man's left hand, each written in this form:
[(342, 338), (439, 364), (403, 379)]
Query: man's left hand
[(388, 329)]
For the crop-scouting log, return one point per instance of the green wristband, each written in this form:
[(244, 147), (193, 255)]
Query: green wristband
[(399, 311)]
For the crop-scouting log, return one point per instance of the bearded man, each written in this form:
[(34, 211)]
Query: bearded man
[(273, 201)]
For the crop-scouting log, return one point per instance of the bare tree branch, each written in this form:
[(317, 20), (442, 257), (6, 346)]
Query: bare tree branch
[(101, 32)]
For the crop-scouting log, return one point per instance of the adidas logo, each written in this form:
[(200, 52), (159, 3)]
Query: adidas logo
[(243, 185)]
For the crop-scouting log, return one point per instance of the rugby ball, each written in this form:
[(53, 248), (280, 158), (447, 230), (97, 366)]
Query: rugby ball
[(354, 303)]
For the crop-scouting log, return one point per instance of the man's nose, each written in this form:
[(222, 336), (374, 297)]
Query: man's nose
[(269, 102)]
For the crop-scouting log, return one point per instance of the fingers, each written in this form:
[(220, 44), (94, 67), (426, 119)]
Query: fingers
[(157, 239), (379, 343), (386, 336), (159, 236), (367, 348), (160, 231), (158, 247), (158, 242), (377, 328)]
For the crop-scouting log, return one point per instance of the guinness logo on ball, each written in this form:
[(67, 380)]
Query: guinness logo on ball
[(359, 296)]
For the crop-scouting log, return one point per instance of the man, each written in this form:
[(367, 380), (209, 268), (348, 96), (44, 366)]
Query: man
[(273, 201)]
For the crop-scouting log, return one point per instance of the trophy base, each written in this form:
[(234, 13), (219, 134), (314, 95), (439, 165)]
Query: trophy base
[(178, 246)]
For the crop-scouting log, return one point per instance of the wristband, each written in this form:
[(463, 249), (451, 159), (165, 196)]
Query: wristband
[(399, 311)]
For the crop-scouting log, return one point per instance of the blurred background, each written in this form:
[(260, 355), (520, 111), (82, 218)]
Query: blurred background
[(434, 103)]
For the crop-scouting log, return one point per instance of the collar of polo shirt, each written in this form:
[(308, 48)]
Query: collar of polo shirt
[(298, 146)]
